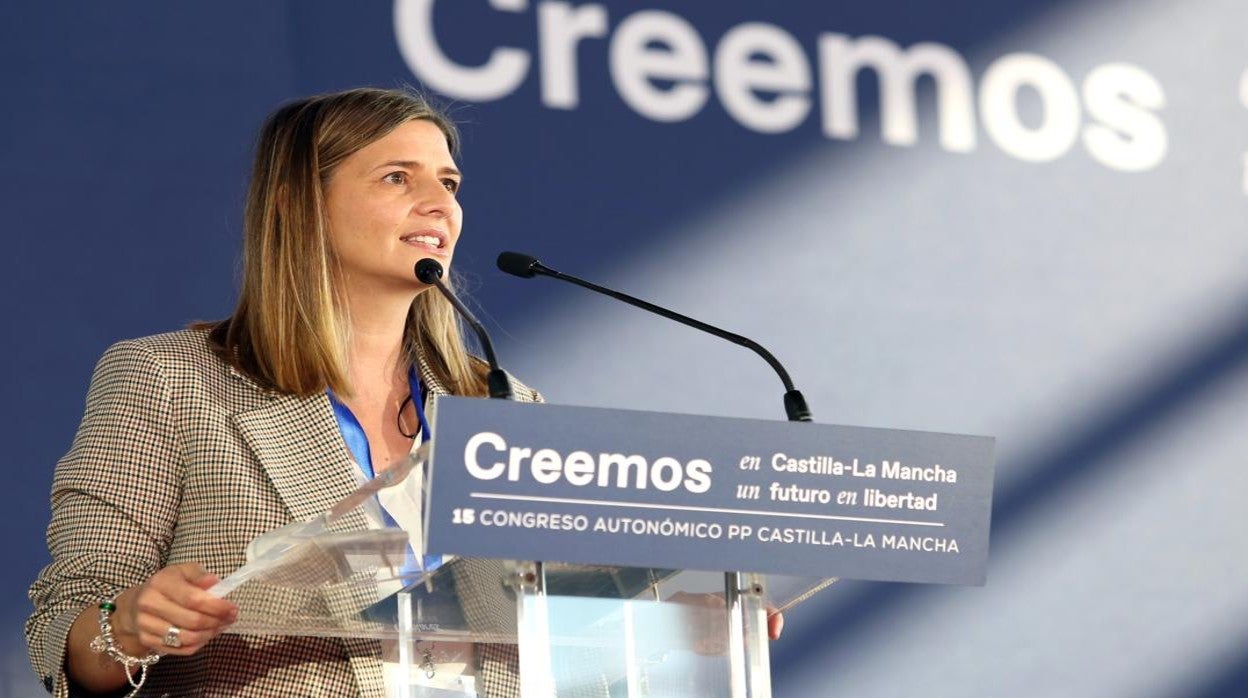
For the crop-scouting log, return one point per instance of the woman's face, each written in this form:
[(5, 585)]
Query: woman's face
[(391, 204)]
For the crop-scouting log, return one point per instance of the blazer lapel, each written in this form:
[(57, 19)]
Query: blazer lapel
[(436, 387), (433, 386), (297, 443)]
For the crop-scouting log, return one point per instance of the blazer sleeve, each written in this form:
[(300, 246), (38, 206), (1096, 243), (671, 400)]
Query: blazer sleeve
[(115, 499)]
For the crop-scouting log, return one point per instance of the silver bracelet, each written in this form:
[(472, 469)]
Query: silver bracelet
[(105, 643)]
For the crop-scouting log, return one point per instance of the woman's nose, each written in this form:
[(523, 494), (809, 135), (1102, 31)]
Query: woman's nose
[(435, 199)]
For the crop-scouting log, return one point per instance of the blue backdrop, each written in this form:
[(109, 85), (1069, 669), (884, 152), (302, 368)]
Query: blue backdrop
[(1019, 219)]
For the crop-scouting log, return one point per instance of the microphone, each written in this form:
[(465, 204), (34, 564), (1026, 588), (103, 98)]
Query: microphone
[(526, 267), (429, 272)]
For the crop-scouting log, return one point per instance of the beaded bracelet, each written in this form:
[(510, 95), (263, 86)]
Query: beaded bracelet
[(105, 643)]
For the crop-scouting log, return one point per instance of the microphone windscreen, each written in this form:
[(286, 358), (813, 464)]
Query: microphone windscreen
[(517, 264), (428, 270)]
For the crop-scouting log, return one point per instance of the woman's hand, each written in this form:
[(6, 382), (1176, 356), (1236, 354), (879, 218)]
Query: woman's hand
[(174, 597), (172, 613)]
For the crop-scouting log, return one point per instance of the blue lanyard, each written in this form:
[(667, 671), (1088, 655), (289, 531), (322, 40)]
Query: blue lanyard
[(353, 433), (357, 443)]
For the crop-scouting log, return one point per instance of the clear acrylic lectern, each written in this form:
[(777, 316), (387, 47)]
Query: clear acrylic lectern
[(580, 630)]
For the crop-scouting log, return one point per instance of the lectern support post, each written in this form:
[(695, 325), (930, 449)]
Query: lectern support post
[(533, 626), (748, 657)]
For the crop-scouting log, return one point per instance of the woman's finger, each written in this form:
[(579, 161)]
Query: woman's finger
[(775, 625), (185, 584), (168, 638), (154, 604)]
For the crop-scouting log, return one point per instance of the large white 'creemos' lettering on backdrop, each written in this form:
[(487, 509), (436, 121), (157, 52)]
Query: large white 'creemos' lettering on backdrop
[(763, 77)]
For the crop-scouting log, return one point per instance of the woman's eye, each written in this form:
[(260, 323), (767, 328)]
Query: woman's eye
[(395, 178)]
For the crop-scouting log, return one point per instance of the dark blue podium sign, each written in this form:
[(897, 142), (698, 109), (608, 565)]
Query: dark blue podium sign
[(646, 489)]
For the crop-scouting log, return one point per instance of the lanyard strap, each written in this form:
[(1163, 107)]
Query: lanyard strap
[(418, 401)]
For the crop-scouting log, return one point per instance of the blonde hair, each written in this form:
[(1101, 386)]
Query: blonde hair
[(289, 329)]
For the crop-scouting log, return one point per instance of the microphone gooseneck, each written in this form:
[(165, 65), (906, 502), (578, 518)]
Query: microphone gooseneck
[(429, 272), (526, 267)]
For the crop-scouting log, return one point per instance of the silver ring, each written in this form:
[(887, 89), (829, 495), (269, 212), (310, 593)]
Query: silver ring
[(173, 637)]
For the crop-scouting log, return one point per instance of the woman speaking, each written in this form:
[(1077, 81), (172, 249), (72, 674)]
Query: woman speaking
[(195, 442)]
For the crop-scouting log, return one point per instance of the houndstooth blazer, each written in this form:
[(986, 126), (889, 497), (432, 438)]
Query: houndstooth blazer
[(181, 458)]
